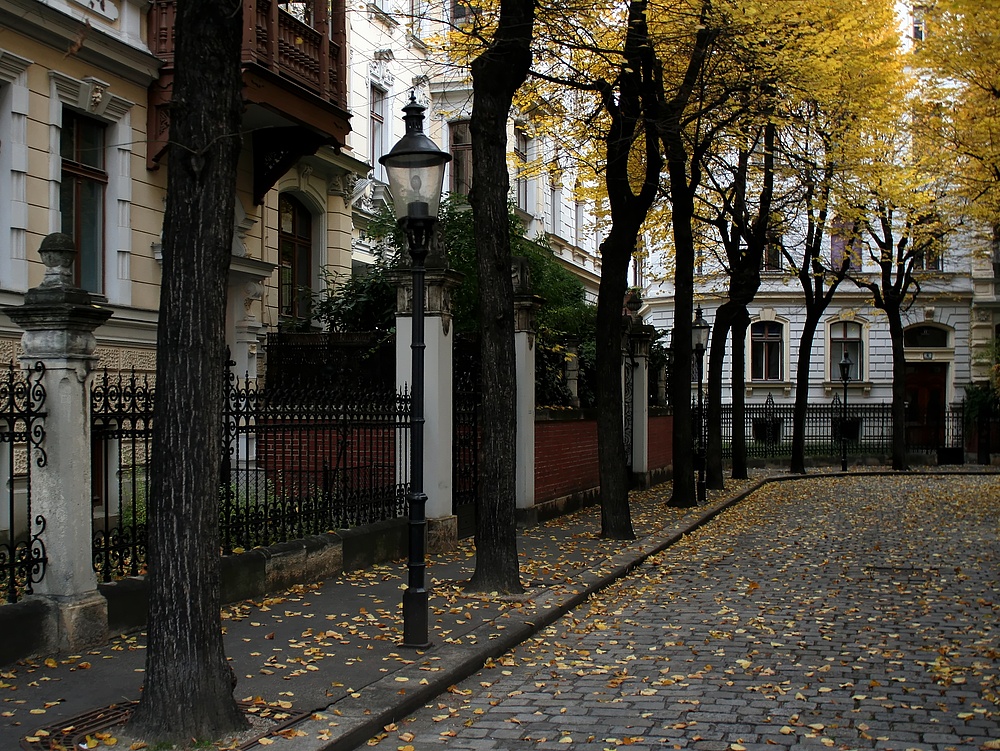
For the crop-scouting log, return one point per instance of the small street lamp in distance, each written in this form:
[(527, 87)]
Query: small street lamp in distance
[(699, 341), (845, 377), (415, 170)]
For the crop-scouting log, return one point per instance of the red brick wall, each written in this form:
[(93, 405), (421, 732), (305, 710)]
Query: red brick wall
[(566, 453), (661, 440), (565, 457)]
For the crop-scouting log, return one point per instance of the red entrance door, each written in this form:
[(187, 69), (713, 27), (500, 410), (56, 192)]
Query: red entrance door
[(925, 404)]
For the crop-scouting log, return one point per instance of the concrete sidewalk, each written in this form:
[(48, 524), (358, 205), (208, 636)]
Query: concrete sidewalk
[(321, 662)]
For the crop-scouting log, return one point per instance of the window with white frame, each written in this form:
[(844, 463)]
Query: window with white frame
[(91, 171), (377, 116), (418, 17), (461, 11), (845, 338), (521, 146), (14, 105), (461, 157), (771, 261), (82, 188), (767, 351)]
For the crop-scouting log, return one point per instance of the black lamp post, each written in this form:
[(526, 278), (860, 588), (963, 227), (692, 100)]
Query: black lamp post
[(415, 169), (699, 341), (633, 302), (845, 377)]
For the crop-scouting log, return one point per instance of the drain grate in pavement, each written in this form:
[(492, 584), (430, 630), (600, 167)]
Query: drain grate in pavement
[(72, 733)]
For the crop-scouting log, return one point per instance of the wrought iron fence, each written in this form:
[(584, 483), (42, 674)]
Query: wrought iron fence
[(295, 462), (121, 427), (866, 427), (305, 462), (23, 557)]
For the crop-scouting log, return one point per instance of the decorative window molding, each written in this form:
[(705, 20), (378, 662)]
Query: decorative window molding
[(14, 96), (93, 97)]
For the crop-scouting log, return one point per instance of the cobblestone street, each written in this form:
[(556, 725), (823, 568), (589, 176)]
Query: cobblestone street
[(846, 613)]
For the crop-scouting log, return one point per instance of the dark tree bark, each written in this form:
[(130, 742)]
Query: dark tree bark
[(188, 692), (684, 175), (633, 102), (818, 287), (894, 290), (816, 173), (745, 228), (741, 322), (496, 75)]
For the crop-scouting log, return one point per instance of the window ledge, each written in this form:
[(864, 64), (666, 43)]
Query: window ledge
[(837, 387), (785, 387), (380, 15)]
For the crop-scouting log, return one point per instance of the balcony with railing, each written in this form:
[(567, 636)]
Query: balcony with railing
[(294, 62)]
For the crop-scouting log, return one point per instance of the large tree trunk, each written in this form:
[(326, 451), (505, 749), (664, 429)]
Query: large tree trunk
[(189, 685), (616, 518), (496, 75), (637, 101)]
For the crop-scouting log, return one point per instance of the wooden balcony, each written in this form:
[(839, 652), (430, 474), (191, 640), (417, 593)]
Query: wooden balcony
[(294, 62)]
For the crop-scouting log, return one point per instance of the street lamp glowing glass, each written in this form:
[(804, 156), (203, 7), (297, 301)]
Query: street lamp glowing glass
[(699, 331), (415, 168), (845, 368)]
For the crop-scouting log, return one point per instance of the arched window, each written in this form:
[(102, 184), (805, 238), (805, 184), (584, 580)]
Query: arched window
[(767, 352), (924, 337), (294, 260)]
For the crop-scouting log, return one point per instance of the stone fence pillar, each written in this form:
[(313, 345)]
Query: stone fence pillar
[(59, 320), (526, 306), (442, 524), (637, 362)]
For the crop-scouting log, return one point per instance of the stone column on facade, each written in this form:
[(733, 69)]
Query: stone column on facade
[(442, 524), (638, 360), (59, 320), (573, 374), (526, 305)]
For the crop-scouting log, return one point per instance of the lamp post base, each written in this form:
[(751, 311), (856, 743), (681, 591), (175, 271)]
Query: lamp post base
[(415, 619)]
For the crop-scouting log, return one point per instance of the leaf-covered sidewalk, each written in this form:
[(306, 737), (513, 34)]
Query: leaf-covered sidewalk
[(331, 648)]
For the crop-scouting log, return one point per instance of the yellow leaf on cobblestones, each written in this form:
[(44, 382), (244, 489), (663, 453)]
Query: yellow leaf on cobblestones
[(785, 730)]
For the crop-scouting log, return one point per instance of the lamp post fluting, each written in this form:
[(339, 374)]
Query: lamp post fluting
[(699, 341), (415, 170), (845, 377)]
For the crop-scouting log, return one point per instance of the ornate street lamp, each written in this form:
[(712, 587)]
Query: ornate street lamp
[(845, 377), (699, 341), (415, 169)]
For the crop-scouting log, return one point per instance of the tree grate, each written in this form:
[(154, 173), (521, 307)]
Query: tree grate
[(72, 733)]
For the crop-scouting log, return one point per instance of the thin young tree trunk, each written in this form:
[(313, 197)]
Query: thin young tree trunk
[(189, 685), (798, 464), (713, 425), (892, 312), (496, 75), (740, 324)]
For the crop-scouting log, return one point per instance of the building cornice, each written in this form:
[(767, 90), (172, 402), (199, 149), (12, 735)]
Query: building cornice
[(60, 31)]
